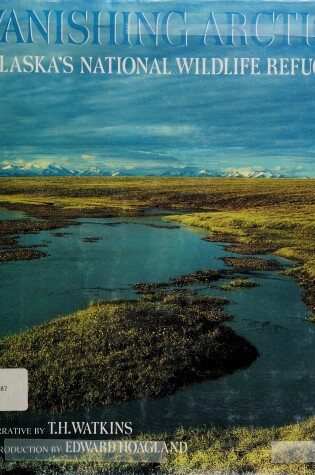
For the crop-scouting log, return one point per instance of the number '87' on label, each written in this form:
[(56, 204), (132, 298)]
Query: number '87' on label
[(13, 389)]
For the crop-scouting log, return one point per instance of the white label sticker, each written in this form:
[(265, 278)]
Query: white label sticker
[(13, 389)]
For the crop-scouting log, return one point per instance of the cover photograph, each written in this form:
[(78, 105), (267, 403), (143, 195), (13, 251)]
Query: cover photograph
[(157, 237)]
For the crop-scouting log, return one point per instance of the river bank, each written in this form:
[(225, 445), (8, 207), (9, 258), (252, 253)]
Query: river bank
[(286, 228), (287, 234), (94, 357)]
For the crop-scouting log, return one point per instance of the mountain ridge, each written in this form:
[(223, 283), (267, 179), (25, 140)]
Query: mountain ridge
[(30, 170)]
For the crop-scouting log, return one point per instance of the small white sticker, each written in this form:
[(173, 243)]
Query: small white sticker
[(293, 451), (13, 389)]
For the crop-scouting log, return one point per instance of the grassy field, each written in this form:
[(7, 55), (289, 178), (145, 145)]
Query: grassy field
[(234, 451), (83, 195), (93, 357), (240, 450)]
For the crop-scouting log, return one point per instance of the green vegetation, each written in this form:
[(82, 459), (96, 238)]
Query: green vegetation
[(93, 357), (239, 284), (82, 467), (114, 196), (261, 215), (160, 226), (247, 264), (239, 449), (236, 450), (199, 277), (21, 255), (256, 216), (250, 249), (92, 239), (7, 242), (61, 234), (284, 225), (204, 276), (12, 251), (18, 227)]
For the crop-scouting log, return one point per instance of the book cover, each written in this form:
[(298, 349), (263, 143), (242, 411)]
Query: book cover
[(157, 237)]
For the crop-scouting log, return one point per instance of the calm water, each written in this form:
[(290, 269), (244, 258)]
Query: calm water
[(11, 214), (277, 388)]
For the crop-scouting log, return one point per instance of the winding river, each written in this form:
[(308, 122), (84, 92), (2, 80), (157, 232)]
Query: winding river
[(278, 388)]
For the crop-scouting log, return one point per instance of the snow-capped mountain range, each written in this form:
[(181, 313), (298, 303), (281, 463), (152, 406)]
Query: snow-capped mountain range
[(50, 170), (189, 171)]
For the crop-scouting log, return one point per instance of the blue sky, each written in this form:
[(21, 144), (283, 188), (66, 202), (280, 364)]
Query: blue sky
[(155, 122)]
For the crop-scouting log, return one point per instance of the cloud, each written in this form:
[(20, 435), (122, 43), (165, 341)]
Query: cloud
[(17, 161), (88, 157), (223, 122), (169, 130), (40, 162), (245, 169)]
